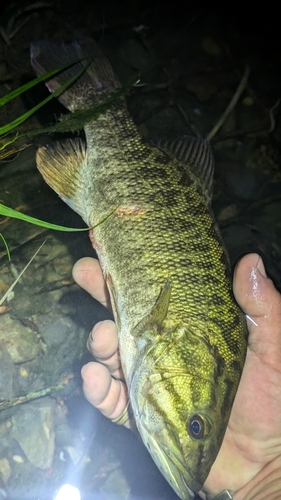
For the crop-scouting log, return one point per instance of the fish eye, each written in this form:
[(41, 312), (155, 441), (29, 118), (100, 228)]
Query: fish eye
[(198, 427)]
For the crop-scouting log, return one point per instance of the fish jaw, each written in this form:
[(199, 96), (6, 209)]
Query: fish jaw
[(175, 473), (167, 394)]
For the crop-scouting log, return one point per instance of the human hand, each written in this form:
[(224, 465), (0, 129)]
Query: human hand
[(251, 449), (104, 384)]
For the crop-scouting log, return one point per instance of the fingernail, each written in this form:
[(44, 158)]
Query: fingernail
[(94, 329)]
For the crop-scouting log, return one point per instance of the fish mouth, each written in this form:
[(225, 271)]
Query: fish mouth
[(173, 469)]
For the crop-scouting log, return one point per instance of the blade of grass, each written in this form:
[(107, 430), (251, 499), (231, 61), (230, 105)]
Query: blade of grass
[(20, 275), (10, 212), (71, 122), (6, 246), (20, 90), (7, 142), (22, 118), (10, 126)]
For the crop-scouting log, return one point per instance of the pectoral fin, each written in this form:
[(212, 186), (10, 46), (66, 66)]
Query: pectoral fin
[(158, 313)]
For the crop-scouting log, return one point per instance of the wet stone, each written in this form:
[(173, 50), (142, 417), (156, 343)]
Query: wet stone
[(56, 332), (63, 265), (227, 212), (5, 469), (166, 123), (238, 239), (244, 183), (135, 55), (4, 428), (8, 374), (210, 46), (205, 89), (33, 428), (20, 342), (116, 482), (3, 70)]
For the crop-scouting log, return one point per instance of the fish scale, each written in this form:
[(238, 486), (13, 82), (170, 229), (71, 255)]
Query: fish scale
[(182, 336)]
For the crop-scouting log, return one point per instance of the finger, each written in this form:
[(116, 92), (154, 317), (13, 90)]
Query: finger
[(257, 296), (103, 345), (253, 290), (88, 274), (104, 392)]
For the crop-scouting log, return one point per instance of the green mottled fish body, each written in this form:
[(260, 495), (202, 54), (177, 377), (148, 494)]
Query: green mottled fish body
[(182, 336)]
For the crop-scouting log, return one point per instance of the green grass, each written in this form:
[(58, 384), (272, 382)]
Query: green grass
[(10, 212), (70, 123), (6, 246), (6, 129), (20, 90)]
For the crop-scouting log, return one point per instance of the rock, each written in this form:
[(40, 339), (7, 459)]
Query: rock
[(248, 101), (239, 240), (8, 374), (244, 183), (210, 46), (204, 87), (3, 71), (5, 469), (21, 342), (134, 54), (227, 212), (116, 486), (4, 428), (33, 428), (18, 459)]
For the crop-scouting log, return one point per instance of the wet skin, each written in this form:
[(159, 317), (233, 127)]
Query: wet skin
[(249, 461)]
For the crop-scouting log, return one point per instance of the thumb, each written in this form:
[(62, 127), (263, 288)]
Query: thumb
[(261, 302)]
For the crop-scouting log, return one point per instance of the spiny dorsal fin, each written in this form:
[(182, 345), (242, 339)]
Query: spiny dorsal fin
[(61, 165), (157, 314), (195, 155)]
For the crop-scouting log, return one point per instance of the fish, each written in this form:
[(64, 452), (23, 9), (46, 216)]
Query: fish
[(182, 336)]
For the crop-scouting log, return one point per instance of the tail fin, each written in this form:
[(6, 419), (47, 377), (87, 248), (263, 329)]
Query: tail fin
[(93, 86)]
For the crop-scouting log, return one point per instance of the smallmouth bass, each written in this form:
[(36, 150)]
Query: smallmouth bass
[(182, 336)]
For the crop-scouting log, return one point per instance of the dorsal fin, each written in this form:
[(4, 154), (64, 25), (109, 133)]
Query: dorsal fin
[(195, 155)]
